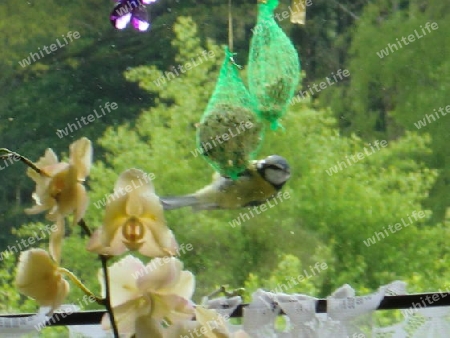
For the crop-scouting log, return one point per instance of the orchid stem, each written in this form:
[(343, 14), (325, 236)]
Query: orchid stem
[(84, 226), (78, 283), (25, 160), (107, 300), (104, 260)]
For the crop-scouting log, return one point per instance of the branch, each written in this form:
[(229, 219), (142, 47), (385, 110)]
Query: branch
[(346, 10), (25, 160)]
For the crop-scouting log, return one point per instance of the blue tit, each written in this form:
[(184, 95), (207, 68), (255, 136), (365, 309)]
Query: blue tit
[(260, 182)]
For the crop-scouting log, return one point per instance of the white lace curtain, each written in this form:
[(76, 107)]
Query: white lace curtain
[(348, 316)]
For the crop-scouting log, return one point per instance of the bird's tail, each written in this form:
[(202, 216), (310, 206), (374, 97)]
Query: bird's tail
[(176, 202)]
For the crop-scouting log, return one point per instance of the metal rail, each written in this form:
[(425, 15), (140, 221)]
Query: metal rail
[(412, 301)]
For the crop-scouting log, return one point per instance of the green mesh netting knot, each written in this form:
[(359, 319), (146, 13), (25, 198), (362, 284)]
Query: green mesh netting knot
[(273, 67), (229, 133)]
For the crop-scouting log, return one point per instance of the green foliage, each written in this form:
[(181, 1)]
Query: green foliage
[(329, 212), (332, 211), (65, 85), (395, 91), (288, 277), (10, 299)]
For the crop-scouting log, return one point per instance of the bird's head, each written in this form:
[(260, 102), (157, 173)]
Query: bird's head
[(275, 170)]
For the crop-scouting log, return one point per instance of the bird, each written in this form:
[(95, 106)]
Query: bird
[(260, 182)]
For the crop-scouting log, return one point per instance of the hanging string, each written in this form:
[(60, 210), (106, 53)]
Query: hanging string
[(230, 27), (230, 35)]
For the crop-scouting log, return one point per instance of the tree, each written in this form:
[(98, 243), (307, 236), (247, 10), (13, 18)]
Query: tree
[(388, 185), (396, 85)]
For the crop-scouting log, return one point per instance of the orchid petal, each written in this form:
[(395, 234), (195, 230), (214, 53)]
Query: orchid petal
[(56, 240), (135, 295), (82, 201), (152, 208), (38, 277), (184, 329), (115, 217), (160, 273), (36, 209), (58, 187), (172, 307), (54, 169), (134, 206), (135, 178), (124, 286), (63, 189), (148, 327), (47, 160), (164, 245), (214, 323), (184, 287), (125, 316), (81, 157), (113, 248)]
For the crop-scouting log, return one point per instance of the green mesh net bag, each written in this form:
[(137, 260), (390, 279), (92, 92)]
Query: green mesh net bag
[(273, 66), (229, 133)]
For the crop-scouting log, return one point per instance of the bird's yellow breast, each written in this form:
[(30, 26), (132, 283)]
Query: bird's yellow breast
[(251, 188)]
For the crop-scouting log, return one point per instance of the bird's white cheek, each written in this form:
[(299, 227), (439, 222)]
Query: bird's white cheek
[(275, 176)]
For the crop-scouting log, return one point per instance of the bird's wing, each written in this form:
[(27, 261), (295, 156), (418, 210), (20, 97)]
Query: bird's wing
[(176, 202)]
